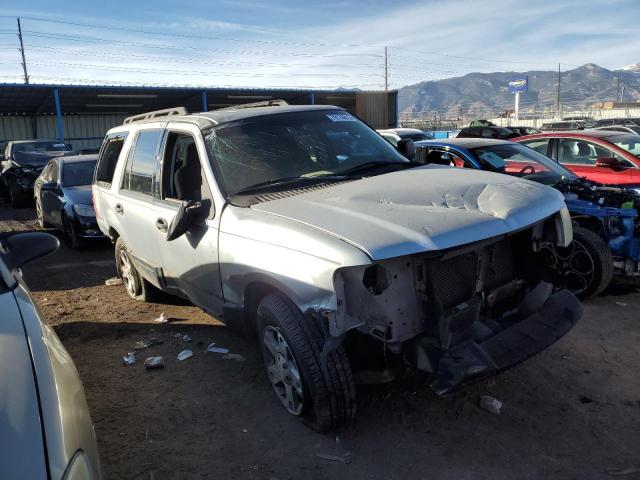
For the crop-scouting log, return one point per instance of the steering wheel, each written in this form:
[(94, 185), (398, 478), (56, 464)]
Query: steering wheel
[(527, 168)]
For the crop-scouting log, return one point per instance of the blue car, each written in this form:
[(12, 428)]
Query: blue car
[(63, 198), (606, 227)]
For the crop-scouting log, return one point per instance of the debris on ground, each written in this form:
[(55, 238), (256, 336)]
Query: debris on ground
[(161, 319), (129, 358), (334, 458), (585, 399), (111, 282), (183, 355), (215, 349), (619, 472), (621, 304), (236, 357), (490, 404), (142, 344), (154, 362), (186, 338)]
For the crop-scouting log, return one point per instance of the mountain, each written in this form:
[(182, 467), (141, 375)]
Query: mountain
[(634, 67), (486, 94)]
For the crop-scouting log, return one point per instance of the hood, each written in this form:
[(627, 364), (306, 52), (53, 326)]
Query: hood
[(80, 195), (31, 159), (422, 209)]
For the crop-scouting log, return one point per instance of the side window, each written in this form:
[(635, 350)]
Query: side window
[(489, 133), (109, 155), (141, 162), (580, 152), (541, 146)]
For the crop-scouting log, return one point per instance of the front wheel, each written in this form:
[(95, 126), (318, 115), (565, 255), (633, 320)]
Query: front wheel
[(320, 391), (585, 267)]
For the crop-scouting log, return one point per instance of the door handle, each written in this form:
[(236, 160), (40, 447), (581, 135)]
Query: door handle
[(119, 209), (161, 224)]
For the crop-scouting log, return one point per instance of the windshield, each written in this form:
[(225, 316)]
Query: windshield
[(41, 147), (300, 144), (78, 173), (628, 142), (517, 159)]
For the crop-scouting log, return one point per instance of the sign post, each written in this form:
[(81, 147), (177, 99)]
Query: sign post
[(518, 86)]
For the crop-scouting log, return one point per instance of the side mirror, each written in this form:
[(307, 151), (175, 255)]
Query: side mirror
[(609, 162), (21, 248), (183, 219), (49, 186), (407, 148)]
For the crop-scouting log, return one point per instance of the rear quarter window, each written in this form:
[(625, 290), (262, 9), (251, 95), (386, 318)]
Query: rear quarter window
[(109, 155)]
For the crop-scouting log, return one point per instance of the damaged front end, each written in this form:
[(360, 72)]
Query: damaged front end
[(460, 314)]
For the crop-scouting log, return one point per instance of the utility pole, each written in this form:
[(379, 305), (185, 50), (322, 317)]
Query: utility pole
[(386, 69), (24, 60), (558, 100), (618, 89)]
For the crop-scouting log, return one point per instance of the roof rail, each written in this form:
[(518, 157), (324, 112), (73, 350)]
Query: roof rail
[(265, 103), (167, 112)]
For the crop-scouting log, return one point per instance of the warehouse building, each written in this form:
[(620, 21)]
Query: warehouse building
[(81, 114)]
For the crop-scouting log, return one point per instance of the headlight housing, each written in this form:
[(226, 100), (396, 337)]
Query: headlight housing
[(84, 210)]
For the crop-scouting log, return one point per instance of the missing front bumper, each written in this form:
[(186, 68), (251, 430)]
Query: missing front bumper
[(541, 320)]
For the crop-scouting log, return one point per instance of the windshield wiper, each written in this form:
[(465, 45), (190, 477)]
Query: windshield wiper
[(375, 165), (277, 182)]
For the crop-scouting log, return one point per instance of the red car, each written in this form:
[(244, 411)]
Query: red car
[(607, 157)]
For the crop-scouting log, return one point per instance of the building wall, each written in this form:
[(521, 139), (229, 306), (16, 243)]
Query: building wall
[(81, 131)]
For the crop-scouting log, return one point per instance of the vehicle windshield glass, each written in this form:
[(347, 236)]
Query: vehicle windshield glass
[(41, 147), (628, 142), (504, 131), (296, 144), (517, 159), (78, 173), (416, 137)]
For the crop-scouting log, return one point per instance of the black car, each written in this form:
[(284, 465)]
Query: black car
[(63, 197), (562, 126), (500, 133), (605, 122), (525, 130)]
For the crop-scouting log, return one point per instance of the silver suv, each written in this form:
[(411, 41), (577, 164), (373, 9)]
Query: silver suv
[(302, 225)]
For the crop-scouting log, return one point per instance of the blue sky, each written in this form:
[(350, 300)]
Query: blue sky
[(311, 43)]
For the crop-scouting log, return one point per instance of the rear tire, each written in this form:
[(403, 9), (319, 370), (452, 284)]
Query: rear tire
[(322, 392), (136, 286)]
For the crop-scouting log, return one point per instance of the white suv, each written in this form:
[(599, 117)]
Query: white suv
[(304, 226)]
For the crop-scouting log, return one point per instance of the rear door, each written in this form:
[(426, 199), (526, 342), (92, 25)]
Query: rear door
[(189, 262), (135, 207)]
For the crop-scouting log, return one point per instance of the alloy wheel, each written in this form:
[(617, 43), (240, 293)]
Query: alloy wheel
[(127, 273), (573, 266), (283, 370)]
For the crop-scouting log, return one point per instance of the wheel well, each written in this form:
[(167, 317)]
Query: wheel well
[(253, 294), (591, 223), (113, 234)]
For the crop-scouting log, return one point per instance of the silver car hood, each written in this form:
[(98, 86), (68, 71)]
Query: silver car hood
[(421, 209)]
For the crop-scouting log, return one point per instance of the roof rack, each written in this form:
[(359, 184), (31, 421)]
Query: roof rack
[(167, 112), (264, 103)]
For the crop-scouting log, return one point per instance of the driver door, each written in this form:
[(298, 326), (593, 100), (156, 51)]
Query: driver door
[(189, 262), (580, 156)]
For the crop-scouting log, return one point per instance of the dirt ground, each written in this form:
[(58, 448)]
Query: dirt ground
[(572, 412)]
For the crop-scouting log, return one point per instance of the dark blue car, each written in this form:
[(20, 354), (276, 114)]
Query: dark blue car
[(63, 198), (606, 230)]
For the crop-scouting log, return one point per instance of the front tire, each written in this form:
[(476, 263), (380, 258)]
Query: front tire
[(320, 392), (585, 267)]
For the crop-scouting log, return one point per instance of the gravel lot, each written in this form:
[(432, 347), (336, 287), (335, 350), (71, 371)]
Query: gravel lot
[(572, 412)]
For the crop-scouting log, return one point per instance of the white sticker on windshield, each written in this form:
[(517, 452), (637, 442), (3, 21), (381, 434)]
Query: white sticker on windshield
[(341, 117)]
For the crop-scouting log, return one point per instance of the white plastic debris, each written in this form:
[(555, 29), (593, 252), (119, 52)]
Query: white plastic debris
[(215, 349), (186, 338), (154, 362), (161, 319), (142, 344), (621, 304), (183, 355), (236, 357), (490, 404), (129, 358), (110, 282)]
